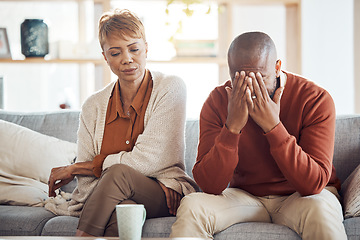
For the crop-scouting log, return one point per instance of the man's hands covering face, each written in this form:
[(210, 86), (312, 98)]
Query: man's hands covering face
[(262, 109), (242, 103), (237, 106)]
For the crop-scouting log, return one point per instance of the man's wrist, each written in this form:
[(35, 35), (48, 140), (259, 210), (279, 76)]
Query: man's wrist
[(233, 130), (268, 129)]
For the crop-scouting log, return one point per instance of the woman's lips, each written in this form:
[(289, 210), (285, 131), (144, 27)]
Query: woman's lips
[(129, 70)]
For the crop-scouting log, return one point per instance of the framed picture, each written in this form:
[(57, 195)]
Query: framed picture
[(4, 44)]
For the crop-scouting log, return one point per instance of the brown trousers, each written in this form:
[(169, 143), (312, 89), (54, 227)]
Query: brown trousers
[(120, 184)]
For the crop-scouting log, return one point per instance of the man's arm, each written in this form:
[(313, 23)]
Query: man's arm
[(306, 163), (220, 134)]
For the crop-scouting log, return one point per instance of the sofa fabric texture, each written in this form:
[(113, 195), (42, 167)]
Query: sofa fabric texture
[(34, 221)]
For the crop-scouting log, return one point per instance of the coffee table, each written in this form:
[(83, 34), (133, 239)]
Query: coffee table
[(82, 238)]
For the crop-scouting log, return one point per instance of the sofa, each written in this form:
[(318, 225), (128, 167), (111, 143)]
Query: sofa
[(34, 221)]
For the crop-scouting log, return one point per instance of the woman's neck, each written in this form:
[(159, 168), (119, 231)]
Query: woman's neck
[(128, 91)]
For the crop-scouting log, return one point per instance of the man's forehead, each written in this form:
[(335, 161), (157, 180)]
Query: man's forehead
[(251, 67)]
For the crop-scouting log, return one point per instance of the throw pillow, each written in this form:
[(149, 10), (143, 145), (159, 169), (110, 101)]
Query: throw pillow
[(26, 159), (351, 194)]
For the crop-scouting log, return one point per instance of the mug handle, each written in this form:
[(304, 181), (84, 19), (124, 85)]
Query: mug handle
[(144, 216)]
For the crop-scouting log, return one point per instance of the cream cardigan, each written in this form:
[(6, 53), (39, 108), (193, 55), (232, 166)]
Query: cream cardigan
[(158, 151)]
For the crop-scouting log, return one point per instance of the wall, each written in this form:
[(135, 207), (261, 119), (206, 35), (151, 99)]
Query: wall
[(37, 87), (328, 49)]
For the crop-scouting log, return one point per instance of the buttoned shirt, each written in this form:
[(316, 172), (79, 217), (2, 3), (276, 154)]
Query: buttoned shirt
[(123, 126)]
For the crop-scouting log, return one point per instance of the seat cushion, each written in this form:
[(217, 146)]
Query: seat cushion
[(61, 226), (22, 220), (352, 228), (257, 230), (158, 227)]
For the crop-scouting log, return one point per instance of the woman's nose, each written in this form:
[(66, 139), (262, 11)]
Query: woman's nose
[(126, 58)]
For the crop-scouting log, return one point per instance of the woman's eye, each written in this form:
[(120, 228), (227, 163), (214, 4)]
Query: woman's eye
[(134, 50), (114, 54)]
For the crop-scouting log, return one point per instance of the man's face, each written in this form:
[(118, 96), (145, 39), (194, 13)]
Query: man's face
[(265, 66)]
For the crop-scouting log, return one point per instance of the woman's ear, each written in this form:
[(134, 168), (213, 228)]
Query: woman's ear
[(146, 48), (104, 56), (278, 68)]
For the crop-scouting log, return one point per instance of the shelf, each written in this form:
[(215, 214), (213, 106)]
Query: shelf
[(42, 60), (214, 60)]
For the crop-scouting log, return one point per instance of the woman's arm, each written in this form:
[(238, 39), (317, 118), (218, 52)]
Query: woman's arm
[(61, 176)]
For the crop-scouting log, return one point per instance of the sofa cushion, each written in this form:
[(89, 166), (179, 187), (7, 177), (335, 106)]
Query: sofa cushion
[(352, 228), (257, 230), (60, 124), (23, 220), (26, 160), (351, 194), (347, 145), (191, 143), (61, 226), (158, 227)]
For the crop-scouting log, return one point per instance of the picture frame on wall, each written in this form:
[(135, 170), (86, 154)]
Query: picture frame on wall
[(4, 44)]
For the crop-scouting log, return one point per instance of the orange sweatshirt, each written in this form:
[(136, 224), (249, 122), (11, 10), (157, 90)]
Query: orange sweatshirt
[(295, 156)]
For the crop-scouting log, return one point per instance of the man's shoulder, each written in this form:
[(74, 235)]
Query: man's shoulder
[(304, 86), (220, 91), (308, 95)]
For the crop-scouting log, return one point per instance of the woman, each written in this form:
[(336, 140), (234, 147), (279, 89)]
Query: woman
[(130, 138)]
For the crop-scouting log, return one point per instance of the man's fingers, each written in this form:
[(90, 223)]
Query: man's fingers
[(257, 91), (262, 86), (249, 100), (278, 94), (228, 91)]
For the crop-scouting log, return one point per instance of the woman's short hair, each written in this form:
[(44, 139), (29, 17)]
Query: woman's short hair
[(122, 23)]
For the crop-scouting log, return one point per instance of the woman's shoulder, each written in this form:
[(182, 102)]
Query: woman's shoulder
[(98, 96), (97, 102)]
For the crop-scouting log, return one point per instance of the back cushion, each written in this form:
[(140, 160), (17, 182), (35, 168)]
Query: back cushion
[(347, 145)]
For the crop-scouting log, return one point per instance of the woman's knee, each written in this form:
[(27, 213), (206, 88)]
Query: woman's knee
[(118, 175), (117, 169)]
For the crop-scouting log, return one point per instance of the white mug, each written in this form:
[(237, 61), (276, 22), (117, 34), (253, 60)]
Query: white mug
[(130, 220)]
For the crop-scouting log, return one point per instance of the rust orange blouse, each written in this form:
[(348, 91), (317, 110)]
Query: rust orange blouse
[(123, 126)]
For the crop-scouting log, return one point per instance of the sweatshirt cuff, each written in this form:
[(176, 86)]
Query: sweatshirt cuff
[(277, 135), (228, 139)]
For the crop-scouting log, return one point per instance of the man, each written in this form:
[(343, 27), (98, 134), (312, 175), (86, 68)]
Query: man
[(265, 151)]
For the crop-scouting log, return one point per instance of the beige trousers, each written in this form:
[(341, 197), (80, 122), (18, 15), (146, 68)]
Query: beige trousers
[(314, 217)]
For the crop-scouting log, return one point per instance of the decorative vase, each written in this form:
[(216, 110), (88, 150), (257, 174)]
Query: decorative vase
[(34, 38)]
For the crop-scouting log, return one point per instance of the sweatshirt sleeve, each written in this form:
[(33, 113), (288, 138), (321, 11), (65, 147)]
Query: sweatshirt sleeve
[(306, 162), (217, 151)]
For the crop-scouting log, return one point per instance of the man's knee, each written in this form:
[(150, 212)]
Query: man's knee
[(322, 204), (193, 204)]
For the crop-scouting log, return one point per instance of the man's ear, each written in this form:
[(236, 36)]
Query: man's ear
[(278, 67)]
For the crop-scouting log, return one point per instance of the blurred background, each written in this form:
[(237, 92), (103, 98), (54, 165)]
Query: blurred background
[(318, 39)]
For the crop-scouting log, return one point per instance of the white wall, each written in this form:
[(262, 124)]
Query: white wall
[(328, 49), (40, 87), (271, 20)]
